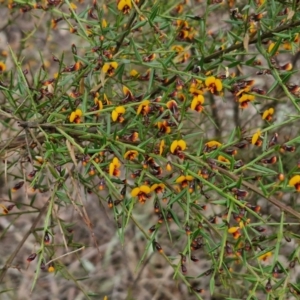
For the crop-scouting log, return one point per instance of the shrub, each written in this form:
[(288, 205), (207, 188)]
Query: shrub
[(180, 117)]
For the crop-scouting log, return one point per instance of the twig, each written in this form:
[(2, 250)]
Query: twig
[(66, 254), (26, 235), (130, 22), (271, 199), (219, 53)]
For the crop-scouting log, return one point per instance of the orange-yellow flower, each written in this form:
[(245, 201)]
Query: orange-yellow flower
[(98, 103), (2, 66), (182, 24), (184, 180), (144, 108), (179, 8), (117, 114), (178, 145), (105, 100), (131, 154), (235, 231), (295, 182), (51, 269), (245, 99), (213, 84), (172, 106), (183, 34), (223, 159), (169, 166), (114, 167), (212, 145), (110, 68), (141, 192), (128, 94), (287, 46), (252, 27), (157, 188), (177, 48), (286, 67), (75, 116), (4, 209), (265, 256), (256, 138), (197, 103), (196, 87), (268, 113), (124, 6), (164, 127)]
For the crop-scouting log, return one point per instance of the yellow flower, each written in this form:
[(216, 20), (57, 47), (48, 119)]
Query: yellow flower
[(141, 192), (114, 167), (267, 115), (235, 231), (184, 180), (98, 103), (157, 187), (124, 6), (105, 99), (143, 108), (265, 256), (178, 145), (161, 147), (223, 159), (75, 116), (270, 48), (252, 27), (213, 84), (295, 182), (212, 145), (287, 46), (196, 84), (177, 48), (73, 6), (117, 114), (245, 99), (134, 73), (110, 68), (104, 23), (131, 154), (197, 102), (169, 166), (255, 137), (242, 224), (51, 269), (2, 66), (128, 94)]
